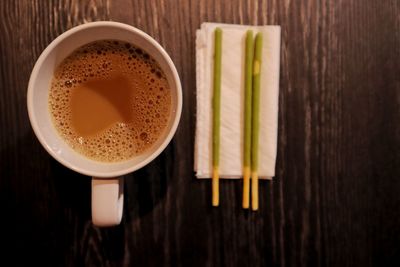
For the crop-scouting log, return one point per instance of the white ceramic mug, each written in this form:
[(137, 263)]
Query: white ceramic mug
[(107, 181)]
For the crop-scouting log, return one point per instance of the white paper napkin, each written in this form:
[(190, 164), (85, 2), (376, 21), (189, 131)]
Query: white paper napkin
[(232, 99)]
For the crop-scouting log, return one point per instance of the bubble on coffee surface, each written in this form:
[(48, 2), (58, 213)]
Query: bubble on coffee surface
[(150, 99)]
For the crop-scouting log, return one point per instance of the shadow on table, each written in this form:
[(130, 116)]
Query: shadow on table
[(147, 187)]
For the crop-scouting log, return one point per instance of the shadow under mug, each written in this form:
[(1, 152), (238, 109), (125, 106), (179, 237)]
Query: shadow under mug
[(107, 180)]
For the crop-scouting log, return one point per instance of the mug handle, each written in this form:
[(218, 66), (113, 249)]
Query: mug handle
[(107, 201)]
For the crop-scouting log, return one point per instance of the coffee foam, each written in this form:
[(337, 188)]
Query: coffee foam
[(150, 98)]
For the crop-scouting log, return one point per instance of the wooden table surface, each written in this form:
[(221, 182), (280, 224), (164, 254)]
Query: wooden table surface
[(335, 200)]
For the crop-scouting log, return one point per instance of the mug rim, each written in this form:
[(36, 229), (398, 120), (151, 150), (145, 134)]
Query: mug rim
[(166, 140)]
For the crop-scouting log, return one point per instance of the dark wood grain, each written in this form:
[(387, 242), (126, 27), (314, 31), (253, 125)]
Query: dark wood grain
[(335, 200)]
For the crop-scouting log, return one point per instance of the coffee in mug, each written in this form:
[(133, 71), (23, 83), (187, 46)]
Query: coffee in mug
[(110, 100)]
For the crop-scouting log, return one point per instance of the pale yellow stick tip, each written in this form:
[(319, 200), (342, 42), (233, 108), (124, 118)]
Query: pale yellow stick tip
[(215, 187), (246, 187), (254, 191)]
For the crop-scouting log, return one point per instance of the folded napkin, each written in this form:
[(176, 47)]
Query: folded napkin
[(232, 99)]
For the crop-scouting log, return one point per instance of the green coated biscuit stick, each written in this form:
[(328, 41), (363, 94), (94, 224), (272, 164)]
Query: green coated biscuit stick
[(247, 117), (255, 120), (216, 106)]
